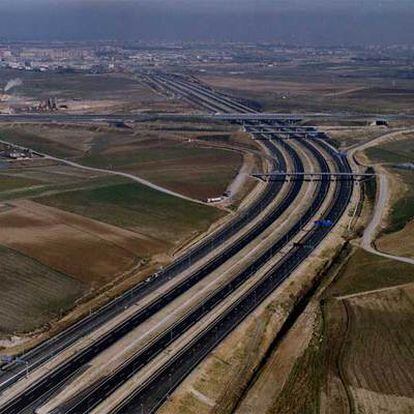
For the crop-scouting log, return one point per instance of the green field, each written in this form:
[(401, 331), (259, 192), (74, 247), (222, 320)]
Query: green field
[(8, 183), (134, 206), (168, 157), (366, 271), (147, 155), (398, 152), (31, 293), (393, 152), (190, 170), (403, 210)]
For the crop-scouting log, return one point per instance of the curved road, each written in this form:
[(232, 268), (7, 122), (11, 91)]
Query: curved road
[(382, 200), (119, 173)]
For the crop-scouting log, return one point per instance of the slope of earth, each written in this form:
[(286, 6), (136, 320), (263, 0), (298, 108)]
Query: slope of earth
[(397, 237)]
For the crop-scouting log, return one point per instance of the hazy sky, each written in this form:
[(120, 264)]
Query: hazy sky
[(290, 21)]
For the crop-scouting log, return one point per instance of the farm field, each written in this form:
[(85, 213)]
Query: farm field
[(198, 162), (181, 167), (400, 243), (378, 359), (30, 179), (366, 271), (8, 182), (368, 338), (92, 252), (139, 209), (94, 229), (31, 293), (398, 151), (313, 85), (351, 350), (103, 231)]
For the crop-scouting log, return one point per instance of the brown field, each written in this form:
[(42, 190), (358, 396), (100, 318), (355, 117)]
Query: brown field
[(92, 228), (91, 252), (381, 335), (368, 347), (357, 357), (310, 87), (371, 365), (32, 293)]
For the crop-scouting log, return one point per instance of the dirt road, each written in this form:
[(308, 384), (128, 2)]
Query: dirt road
[(111, 172), (383, 196)]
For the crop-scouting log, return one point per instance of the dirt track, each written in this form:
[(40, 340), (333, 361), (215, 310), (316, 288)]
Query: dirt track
[(382, 201)]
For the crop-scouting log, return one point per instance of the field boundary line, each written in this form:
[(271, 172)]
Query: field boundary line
[(369, 292)]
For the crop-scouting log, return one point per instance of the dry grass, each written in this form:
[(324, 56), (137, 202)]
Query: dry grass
[(366, 271), (400, 243)]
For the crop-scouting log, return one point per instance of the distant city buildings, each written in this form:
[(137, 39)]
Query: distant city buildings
[(102, 57)]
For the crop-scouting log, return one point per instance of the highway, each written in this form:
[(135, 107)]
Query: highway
[(153, 393), (52, 347), (100, 391), (187, 259), (161, 301)]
